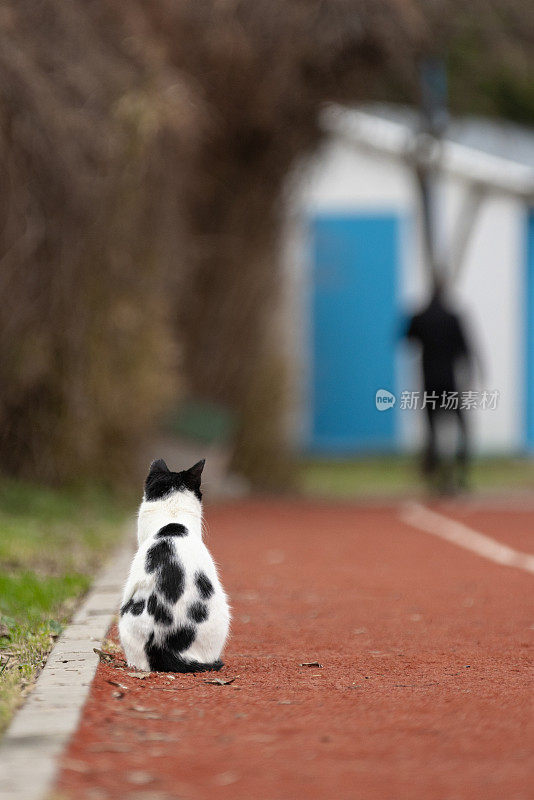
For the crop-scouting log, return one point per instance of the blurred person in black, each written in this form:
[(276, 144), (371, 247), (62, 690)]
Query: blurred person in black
[(446, 365)]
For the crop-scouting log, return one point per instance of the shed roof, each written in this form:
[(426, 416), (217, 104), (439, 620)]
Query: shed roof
[(496, 155)]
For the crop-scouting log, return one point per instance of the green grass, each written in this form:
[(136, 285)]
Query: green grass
[(51, 543), (398, 476)]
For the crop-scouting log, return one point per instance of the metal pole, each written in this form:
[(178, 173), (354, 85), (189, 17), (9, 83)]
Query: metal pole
[(433, 121)]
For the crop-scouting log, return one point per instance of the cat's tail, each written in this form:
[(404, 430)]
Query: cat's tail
[(162, 659), (196, 666)]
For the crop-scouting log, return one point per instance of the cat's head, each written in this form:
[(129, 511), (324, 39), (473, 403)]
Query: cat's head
[(161, 482)]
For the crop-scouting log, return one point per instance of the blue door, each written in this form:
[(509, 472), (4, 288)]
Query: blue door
[(354, 321)]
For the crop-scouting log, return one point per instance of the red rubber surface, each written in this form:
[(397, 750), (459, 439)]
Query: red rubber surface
[(425, 690)]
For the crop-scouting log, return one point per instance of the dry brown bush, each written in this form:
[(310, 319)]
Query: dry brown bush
[(90, 119)]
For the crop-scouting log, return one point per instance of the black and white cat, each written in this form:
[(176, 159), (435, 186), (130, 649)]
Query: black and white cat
[(174, 615)]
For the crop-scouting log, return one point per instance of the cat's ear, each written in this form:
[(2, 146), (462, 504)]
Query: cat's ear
[(159, 481), (192, 475), (158, 466)]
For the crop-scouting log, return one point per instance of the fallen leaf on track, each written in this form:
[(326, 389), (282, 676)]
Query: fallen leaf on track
[(104, 657), (312, 664), (116, 683), (222, 681), (140, 675)]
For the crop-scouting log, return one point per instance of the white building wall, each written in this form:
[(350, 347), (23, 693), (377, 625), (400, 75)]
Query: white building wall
[(490, 288), (342, 179)]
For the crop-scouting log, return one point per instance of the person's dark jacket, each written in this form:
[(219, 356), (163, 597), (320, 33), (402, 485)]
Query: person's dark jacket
[(440, 333)]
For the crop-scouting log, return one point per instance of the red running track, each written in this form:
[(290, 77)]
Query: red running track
[(425, 690)]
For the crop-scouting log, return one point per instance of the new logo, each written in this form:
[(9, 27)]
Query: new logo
[(384, 400)]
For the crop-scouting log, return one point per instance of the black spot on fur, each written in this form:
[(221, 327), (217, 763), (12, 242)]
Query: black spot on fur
[(126, 607), (204, 585), (198, 612), (158, 611), (181, 639), (159, 555), (161, 659), (171, 581), (138, 608), (172, 529)]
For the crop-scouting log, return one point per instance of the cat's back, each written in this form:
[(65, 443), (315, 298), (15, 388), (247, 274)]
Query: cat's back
[(174, 586), (175, 541), (176, 563)]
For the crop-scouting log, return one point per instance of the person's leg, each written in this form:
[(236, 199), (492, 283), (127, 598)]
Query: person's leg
[(462, 453), (430, 455)]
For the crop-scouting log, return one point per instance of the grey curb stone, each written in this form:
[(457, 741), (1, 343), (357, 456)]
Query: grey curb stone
[(38, 734)]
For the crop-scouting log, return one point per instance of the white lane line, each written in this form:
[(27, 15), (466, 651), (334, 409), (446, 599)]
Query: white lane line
[(421, 517)]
